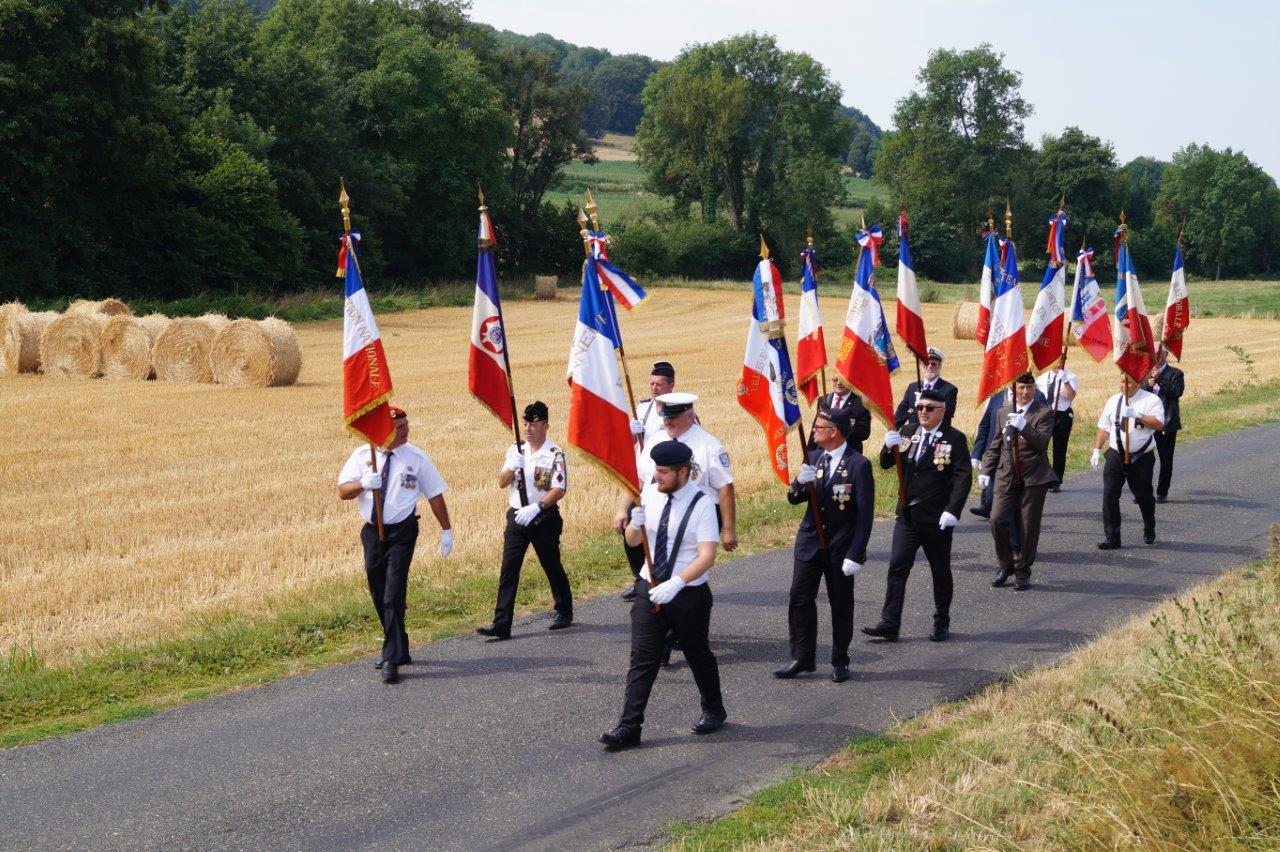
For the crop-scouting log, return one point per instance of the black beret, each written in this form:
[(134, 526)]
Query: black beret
[(837, 417), (933, 395), (1025, 379), (535, 411), (670, 454), (663, 368)]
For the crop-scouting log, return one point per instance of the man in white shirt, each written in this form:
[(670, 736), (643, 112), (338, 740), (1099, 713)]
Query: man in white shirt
[(535, 476), (679, 520), (648, 424), (1129, 422), (403, 474), (1060, 387)]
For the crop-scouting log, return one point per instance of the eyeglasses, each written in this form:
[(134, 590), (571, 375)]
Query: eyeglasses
[(928, 407), (816, 427)]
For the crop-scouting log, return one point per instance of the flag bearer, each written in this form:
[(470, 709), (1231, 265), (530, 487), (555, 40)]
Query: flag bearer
[(1167, 382), (1060, 387), (1129, 420)]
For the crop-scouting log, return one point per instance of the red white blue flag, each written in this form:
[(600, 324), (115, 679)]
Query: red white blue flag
[(487, 377), (811, 347), (1177, 308), (910, 319), (624, 288), (1044, 330), (767, 389), (867, 358), (1004, 356), (1057, 226), (987, 289), (599, 415), (1134, 343), (1089, 321), (870, 239), (366, 379)]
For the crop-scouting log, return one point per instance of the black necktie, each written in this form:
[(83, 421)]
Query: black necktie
[(925, 443), (386, 477), (662, 564)]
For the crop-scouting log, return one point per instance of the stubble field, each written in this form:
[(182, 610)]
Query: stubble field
[(131, 507)]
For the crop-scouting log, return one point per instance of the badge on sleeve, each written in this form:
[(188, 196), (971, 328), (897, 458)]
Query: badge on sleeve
[(724, 459)]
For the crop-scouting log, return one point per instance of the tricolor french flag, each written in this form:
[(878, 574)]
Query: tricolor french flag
[(1057, 228), (1044, 331), (986, 290), (910, 319), (1134, 342), (487, 377), (626, 291), (1177, 308), (867, 358), (366, 379), (599, 415), (1089, 321), (1004, 355), (767, 389), (811, 346)]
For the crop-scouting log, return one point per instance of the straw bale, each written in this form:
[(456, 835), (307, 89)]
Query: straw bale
[(183, 350), (106, 307), (257, 354), (20, 338), (964, 322), (71, 346), (544, 286), (127, 342)]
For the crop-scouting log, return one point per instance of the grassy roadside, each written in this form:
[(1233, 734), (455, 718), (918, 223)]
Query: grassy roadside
[(1162, 734), (334, 622)]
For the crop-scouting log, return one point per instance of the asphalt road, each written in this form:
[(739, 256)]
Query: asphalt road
[(488, 746)]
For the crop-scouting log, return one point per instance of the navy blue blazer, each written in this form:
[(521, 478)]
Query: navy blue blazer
[(847, 503)]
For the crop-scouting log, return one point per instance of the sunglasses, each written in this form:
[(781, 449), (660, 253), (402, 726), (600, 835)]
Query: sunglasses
[(928, 407)]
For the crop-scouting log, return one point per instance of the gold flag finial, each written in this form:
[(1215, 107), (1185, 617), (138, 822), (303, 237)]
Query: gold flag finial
[(480, 195), (808, 237), (584, 232), (1062, 202), (862, 220), (764, 248), (345, 201), (991, 222), (593, 210), (1008, 219)]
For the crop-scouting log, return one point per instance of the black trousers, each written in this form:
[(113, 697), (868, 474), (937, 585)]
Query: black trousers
[(544, 535), (1165, 443), (386, 564), (921, 531), (1021, 505), (802, 610), (688, 615), (1115, 473), (1062, 424)]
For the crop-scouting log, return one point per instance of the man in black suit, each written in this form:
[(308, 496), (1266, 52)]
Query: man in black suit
[(842, 398), (1168, 383), (931, 379), (937, 472), (845, 492)]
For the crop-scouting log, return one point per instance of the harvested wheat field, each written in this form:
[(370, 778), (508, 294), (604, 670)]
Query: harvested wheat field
[(140, 510)]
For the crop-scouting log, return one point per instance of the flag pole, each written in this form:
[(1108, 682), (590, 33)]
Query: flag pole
[(1066, 325), (897, 451), (1013, 386), (487, 245), (822, 371), (1128, 297), (345, 201)]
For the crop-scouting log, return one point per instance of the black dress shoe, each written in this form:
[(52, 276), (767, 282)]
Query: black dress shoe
[(939, 634), (1161, 498), (1149, 536), (379, 664), (1021, 584), (839, 674), (620, 738), (792, 669), (629, 594), (980, 513), (708, 724), (560, 623), (1054, 489), (494, 633), (1001, 578), (389, 673), (1108, 545), (882, 631)]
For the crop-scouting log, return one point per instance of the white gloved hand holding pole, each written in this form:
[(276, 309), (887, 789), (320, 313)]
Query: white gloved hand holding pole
[(1018, 421), (637, 517), (665, 592), (371, 481), (514, 461), (947, 520), (637, 428), (1095, 460), (526, 514), (808, 473), (893, 439), (850, 567)]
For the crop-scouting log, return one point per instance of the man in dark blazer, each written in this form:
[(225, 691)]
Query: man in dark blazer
[(1168, 383), (1020, 481), (841, 476), (842, 398), (931, 379), (987, 426), (937, 474)]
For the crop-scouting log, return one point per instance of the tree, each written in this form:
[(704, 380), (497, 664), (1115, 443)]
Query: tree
[(1082, 167), (1140, 181), (864, 144), (957, 151), (616, 87), (743, 128)]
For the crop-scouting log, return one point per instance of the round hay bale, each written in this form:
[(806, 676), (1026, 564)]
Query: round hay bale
[(544, 286), (107, 307), (71, 346), (127, 342), (964, 322), (257, 354), (20, 331), (183, 350)]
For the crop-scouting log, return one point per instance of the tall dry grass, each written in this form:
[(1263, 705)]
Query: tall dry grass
[(128, 513)]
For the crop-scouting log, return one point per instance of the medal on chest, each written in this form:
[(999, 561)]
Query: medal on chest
[(841, 493), (941, 455)]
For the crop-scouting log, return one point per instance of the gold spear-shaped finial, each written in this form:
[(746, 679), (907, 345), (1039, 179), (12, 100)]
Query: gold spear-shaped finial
[(584, 232), (480, 195), (1182, 228), (1062, 202), (1008, 219), (1124, 227), (594, 210), (808, 237), (345, 201), (991, 222), (764, 248), (862, 220)]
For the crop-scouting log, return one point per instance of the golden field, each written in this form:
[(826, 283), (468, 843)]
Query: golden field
[(131, 506)]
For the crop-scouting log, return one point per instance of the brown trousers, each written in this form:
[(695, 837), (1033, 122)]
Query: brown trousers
[(1024, 502)]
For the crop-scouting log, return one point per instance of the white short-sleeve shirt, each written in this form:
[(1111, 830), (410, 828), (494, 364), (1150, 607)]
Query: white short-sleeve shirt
[(711, 470), (411, 476), (702, 525), (544, 469), (1140, 438), (649, 413), (1047, 387)]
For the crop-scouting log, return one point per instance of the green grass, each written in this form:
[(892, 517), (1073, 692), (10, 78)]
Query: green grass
[(617, 185), (1241, 298)]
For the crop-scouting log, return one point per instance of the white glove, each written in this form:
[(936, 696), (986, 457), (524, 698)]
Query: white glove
[(1095, 460), (446, 542), (637, 517), (892, 438), (371, 481), (850, 567), (1128, 411), (637, 428), (974, 462), (1018, 421), (946, 521), (515, 460), (983, 480), (526, 514), (808, 473), (663, 593)]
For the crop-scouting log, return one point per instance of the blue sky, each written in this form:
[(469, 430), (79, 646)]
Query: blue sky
[(1149, 77)]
